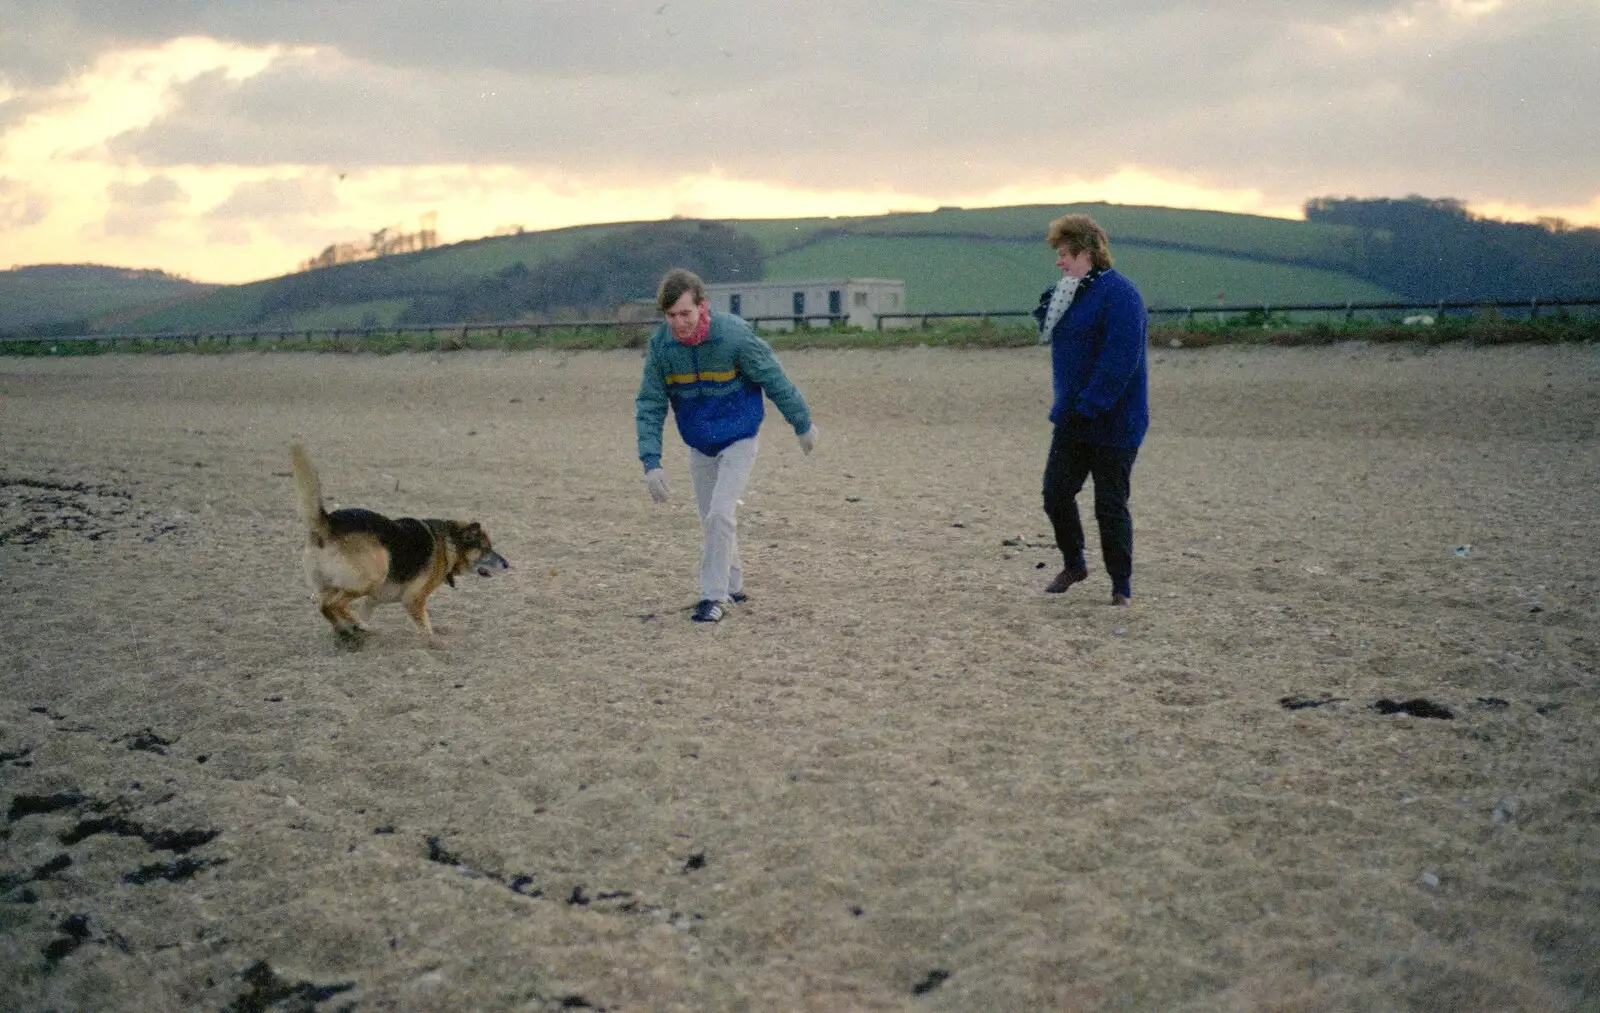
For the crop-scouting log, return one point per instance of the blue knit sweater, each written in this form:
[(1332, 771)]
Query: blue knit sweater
[(1098, 363)]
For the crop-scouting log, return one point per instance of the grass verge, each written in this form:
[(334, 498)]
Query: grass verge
[(1485, 327)]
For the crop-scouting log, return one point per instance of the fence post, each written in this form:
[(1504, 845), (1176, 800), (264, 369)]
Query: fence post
[(1533, 309)]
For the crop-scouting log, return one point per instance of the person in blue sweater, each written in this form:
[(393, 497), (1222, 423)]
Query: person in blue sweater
[(712, 370), (1095, 323)]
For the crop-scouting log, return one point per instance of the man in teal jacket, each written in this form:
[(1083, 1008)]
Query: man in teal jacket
[(712, 369)]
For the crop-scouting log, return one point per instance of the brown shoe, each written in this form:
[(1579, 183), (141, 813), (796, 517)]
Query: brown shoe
[(1120, 600), (1066, 578)]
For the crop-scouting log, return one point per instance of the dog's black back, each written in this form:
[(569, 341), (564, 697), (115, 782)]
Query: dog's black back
[(408, 540)]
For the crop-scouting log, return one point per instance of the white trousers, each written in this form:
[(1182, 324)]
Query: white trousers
[(719, 481)]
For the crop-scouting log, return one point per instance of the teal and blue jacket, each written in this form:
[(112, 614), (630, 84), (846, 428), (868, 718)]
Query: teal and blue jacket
[(714, 389)]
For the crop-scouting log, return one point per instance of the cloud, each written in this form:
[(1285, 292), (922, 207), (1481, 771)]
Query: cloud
[(20, 205), (16, 107), (537, 109), (320, 108), (949, 96), (138, 209), (277, 198), (153, 192), (228, 234)]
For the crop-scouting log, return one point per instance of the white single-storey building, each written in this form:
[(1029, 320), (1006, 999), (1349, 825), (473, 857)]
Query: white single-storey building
[(780, 304)]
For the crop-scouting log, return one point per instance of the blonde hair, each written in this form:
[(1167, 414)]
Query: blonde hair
[(1079, 233)]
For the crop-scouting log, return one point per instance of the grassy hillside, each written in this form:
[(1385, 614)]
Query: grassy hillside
[(215, 311), (380, 286), (952, 259), (47, 293), (377, 313), (951, 275), (1182, 278), (1241, 235), (776, 235), (444, 266)]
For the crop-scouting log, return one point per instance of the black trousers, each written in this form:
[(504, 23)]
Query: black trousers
[(1070, 463)]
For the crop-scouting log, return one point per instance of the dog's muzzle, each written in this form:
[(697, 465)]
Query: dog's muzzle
[(489, 563)]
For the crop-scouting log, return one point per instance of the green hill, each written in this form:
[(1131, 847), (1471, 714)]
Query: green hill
[(1241, 235), (947, 274), (952, 259), (71, 295), (368, 292)]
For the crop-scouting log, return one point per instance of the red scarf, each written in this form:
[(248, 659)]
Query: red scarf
[(701, 330)]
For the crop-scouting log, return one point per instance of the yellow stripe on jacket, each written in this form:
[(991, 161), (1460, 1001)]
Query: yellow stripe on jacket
[(692, 377)]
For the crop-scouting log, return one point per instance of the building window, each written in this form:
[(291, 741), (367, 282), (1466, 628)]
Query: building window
[(799, 303), (734, 304), (835, 302), (860, 299)]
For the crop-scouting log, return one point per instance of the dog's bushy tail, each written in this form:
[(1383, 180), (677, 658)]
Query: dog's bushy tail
[(310, 489)]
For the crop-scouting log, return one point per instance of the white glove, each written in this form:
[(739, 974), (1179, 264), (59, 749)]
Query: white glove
[(656, 481), (808, 439)]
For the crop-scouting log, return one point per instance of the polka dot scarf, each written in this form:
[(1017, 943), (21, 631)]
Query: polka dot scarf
[(1060, 299)]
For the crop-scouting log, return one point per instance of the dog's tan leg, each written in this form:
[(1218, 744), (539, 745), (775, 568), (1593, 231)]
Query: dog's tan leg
[(330, 613), (417, 608), (336, 609)]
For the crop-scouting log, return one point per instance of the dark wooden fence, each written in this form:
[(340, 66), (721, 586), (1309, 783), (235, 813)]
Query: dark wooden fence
[(258, 335), (1512, 309), (464, 332)]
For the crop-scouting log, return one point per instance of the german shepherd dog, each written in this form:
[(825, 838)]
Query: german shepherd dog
[(362, 558)]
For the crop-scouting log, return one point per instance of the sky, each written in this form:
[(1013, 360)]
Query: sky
[(231, 140)]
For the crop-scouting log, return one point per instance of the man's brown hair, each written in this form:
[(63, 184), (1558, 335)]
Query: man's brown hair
[(1079, 233), (675, 283)]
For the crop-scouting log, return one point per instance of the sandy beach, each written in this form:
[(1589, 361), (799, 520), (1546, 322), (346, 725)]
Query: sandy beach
[(899, 778)]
